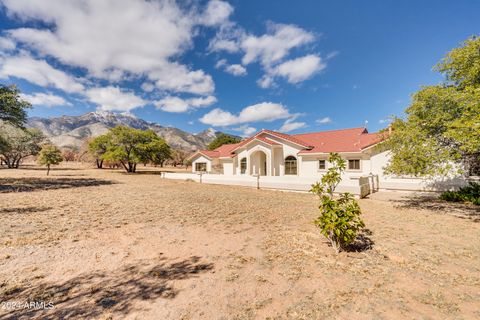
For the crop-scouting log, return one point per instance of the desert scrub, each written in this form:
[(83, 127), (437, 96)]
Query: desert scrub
[(339, 219), (470, 193)]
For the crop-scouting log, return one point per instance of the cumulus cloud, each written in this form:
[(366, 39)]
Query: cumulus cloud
[(300, 69), (38, 72), (275, 44), (178, 78), (216, 13), (234, 69), (7, 44), (118, 39), (113, 99), (271, 50), (177, 105), (291, 125), (245, 130), (147, 87), (265, 111), (45, 99), (324, 120)]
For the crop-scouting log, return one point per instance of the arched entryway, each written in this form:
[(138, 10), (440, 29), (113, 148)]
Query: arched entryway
[(258, 163)]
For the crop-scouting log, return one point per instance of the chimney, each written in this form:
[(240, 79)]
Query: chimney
[(390, 130)]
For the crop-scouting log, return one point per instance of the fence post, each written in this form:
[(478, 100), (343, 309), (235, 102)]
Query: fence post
[(201, 173), (258, 180)]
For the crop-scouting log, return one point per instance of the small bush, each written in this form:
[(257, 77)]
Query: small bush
[(470, 193), (339, 219)]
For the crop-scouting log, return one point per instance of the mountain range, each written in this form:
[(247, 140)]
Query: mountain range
[(72, 131)]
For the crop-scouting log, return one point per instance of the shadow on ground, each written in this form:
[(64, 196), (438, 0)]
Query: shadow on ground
[(35, 184), (433, 203), (96, 294), (39, 168), (362, 243), (24, 210)]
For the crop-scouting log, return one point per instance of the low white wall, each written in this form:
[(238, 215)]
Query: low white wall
[(293, 183)]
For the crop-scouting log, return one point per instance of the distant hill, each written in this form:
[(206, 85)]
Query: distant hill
[(67, 131)]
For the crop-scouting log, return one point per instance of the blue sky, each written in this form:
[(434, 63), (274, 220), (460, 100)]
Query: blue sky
[(237, 66)]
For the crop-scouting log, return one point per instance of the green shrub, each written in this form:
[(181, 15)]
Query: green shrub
[(339, 219), (470, 193)]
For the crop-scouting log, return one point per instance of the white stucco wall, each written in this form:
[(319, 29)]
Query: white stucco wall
[(201, 158), (310, 168), (228, 167)]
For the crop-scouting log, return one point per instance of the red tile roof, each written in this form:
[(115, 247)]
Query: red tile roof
[(343, 140), (222, 151), (291, 138)]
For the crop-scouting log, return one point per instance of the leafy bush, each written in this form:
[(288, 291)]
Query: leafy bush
[(470, 193), (339, 220)]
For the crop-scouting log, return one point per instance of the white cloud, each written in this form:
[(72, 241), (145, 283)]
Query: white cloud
[(38, 72), (265, 82), (176, 104), (265, 111), (178, 78), (300, 69), (325, 120), (118, 39), (290, 125), (234, 69), (383, 121), (245, 130), (45, 99), (113, 99), (275, 44), (147, 87), (270, 50), (216, 13), (7, 44)]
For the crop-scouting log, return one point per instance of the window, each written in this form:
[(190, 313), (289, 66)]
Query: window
[(354, 164), (322, 164), (201, 166), (290, 165), (243, 165)]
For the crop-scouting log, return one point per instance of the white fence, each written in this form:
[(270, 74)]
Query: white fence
[(293, 183)]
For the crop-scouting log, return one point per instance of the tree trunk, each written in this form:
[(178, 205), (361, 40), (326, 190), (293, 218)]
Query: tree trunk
[(99, 163), (48, 169), (124, 165)]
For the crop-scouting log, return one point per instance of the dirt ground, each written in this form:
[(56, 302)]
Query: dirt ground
[(106, 245)]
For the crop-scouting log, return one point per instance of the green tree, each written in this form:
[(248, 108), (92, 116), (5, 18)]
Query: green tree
[(49, 155), (159, 153), (222, 139), (440, 134), (339, 219), (98, 147), (132, 146), (12, 107), (17, 144)]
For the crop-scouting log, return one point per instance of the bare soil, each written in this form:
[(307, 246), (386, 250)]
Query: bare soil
[(106, 245)]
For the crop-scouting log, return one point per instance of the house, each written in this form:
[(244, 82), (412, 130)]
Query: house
[(303, 158)]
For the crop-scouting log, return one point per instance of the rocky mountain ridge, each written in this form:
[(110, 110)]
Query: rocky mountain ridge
[(72, 131)]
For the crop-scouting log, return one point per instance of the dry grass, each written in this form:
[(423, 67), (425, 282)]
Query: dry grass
[(103, 244)]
